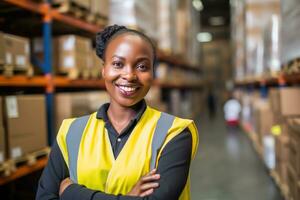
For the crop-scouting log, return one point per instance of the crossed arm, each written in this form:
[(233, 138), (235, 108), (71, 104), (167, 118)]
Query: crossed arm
[(167, 182)]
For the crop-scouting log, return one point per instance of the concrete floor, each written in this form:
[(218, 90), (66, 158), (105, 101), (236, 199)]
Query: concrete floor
[(227, 167)]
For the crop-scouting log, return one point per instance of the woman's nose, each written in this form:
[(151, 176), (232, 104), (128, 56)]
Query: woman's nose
[(129, 73)]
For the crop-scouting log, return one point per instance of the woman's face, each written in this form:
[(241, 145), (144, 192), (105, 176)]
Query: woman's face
[(128, 69)]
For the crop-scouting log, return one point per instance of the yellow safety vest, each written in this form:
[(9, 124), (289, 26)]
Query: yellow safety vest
[(86, 148)]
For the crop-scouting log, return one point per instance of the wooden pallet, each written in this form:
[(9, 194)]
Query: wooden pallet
[(5, 169), (72, 8), (11, 165), (10, 70), (292, 67), (75, 73)]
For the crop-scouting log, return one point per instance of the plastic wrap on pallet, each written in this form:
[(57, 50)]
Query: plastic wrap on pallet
[(290, 30), (272, 46), (139, 14), (238, 38)]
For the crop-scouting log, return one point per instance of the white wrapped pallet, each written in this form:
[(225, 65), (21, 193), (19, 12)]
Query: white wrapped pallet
[(290, 30), (139, 14)]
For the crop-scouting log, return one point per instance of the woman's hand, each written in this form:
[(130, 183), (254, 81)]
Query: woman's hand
[(64, 184), (146, 185)]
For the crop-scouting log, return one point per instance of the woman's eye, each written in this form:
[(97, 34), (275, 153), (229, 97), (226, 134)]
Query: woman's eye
[(117, 64), (142, 67)]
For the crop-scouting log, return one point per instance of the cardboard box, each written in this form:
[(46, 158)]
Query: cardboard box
[(289, 101), (100, 7), (14, 50), (26, 124), (2, 49), (83, 3), (282, 156), (292, 183), (138, 14), (96, 65), (263, 118), (282, 148), (72, 60), (67, 43), (68, 105), (294, 145), (72, 52), (2, 145), (2, 136)]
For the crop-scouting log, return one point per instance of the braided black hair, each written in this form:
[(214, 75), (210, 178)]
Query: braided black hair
[(104, 37)]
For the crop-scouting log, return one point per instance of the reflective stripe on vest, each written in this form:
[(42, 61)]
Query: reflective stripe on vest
[(161, 130), (73, 142), (76, 130)]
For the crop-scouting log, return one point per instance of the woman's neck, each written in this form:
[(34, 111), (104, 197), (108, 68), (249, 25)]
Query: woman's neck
[(120, 116)]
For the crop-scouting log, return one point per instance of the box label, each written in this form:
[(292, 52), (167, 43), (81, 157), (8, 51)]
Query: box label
[(69, 44), (26, 49), (21, 60), (12, 107), (8, 58), (16, 152), (69, 62), (1, 157)]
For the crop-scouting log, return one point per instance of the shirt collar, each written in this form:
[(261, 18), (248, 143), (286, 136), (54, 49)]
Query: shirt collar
[(139, 108)]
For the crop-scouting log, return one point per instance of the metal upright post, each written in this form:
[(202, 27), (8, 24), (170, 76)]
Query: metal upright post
[(47, 41)]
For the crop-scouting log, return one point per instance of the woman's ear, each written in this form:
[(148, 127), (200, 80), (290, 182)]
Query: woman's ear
[(102, 72)]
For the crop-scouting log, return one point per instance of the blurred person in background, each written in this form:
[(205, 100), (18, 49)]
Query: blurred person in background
[(211, 103), (232, 109), (126, 150)]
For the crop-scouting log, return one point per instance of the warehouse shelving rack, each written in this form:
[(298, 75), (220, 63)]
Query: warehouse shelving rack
[(282, 79), (49, 82)]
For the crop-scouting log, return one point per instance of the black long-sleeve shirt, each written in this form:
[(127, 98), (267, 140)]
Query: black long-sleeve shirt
[(173, 166)]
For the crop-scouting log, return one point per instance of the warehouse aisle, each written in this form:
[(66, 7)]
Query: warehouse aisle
[(227, 168)]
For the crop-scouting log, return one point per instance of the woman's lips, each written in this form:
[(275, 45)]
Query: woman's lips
[(127, 90)]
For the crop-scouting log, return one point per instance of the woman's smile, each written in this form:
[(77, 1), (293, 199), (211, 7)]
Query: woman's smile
[(128, 90)]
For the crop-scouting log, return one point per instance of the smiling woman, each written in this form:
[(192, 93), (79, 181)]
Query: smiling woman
[(126, 150)]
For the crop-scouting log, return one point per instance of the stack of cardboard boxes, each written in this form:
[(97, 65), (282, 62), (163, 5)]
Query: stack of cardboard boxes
[(286, 112), (23, 127), (76, 104), (2, 138), (154, 99), (72, 55), (14, 52), (293, 171), (276, 123)]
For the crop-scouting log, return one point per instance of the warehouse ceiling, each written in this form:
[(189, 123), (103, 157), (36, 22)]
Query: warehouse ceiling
[(215, 18)]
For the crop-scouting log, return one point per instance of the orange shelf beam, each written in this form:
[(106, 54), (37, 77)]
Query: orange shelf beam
[(44, 9), (78, 23), (24, 170), (64, 82), (23, 81), (28, 5)]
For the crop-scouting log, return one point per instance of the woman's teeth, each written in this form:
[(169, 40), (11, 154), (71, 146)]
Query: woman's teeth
[(127, 89)]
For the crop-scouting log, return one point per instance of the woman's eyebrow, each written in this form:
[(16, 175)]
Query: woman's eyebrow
[(143, 58), (116, 56)]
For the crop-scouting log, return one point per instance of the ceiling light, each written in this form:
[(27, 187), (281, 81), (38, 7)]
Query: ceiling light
[(198, 5), (204, 37)]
